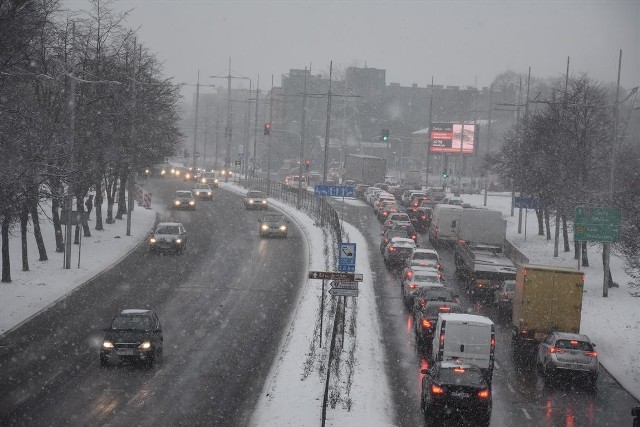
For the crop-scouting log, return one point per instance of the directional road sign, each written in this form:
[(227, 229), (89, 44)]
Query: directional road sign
[(344, 285), (343, 292), (594, 224), (333, 190), (347, 267), (527, 202), (347, 253), (334, 275)]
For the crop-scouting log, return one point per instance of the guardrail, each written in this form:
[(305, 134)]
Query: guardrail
[(514, 253)]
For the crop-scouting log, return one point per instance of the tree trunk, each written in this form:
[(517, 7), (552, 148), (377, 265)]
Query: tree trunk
[(55, 214), (585, 258), (546, 223), (565, 234), (98, 205), (540, 216), (24, 225), (122, 196), (85, 227), (576, 250), (37, 233), (6, 265), (111, 186)]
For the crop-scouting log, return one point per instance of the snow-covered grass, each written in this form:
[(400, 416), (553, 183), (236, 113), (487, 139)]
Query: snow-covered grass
[(613, 323), (31, 291)]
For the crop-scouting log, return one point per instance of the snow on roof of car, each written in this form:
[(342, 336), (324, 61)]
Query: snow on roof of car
[(168, 223), (463, 317), (403, 241), (135, 311)]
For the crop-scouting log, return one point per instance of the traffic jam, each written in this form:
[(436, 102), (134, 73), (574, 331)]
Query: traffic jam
[(459, 347)]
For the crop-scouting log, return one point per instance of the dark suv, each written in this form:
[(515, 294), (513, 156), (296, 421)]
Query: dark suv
[(134, 334)]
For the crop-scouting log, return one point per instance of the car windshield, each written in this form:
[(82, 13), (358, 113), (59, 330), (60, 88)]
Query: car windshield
[(425, 256), (436, 294), (168, 229), (433, 310), (202, 187), (255, 194), (273, 218), (460, 376), (510, 285), (396, 233), (183, 194), (141, 323), (425, 278)]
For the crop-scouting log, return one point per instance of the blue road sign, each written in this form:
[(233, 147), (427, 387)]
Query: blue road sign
[(527, 202), (333, 191), (346, 268), (347, 253)]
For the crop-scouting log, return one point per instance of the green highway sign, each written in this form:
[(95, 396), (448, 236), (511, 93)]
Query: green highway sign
[(595, 224)]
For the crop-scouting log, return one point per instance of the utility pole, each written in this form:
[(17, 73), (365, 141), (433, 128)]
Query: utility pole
[(326, 136), (195, 128), (255, 130), (204, 148), (606, 246), (215, 157), (269, 140), (426, 180), (486, 177), (72, 131), (304, 113)]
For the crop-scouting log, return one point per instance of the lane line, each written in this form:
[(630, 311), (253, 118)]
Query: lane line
[(526, 414)]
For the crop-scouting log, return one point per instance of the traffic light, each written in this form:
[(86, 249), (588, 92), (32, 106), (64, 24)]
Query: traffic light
[(267, 128), (385, 135), (445, 174), (307, 164)]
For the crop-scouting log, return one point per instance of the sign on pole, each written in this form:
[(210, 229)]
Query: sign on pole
[(344, 285), (525, 202), (337, 292), (333, 191), (595, 224), (335, 275)]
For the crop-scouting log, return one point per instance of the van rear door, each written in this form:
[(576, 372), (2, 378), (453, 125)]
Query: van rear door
[(478, 348), (455, 341)]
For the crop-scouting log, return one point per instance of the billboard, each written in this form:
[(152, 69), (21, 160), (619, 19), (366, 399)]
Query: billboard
[(445, 138)]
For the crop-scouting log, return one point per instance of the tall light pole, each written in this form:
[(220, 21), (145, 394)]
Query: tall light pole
[(269, 140), (255, 130), (304, 113), (326, 136), (195, 127)]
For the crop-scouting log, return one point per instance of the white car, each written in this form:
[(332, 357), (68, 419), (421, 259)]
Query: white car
[(255, 200)]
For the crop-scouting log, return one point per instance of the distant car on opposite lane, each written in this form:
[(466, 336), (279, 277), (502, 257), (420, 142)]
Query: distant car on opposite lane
[(183, 199), (202, 191), (255, 200), (273, 224), (168, 236)]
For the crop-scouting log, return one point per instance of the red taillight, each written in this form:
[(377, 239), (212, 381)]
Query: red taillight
[(413, 286), (591, 353), (458, 370), (414, 237), (392, 249), (483, 394), (437, 389), (409, 274), (556, 350), (423, 217), (425, 324), (444, 308), (422, 302), (439, 266)]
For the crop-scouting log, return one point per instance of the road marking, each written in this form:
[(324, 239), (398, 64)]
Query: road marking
[(511, 388), (526, 414)]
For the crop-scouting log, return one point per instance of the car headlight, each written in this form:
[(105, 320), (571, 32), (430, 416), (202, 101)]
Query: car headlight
[(152, 240), (145, 345), (107, 344), (208, 193), (197, 193), (164, 172), (173, 171), (215, 180), (177, 202), (265, 227), (283, 227), (204, 180), (264, 202), (250, 202), (223, 172), (178, 241), (192, 203)]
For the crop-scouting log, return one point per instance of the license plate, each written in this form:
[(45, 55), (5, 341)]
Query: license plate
[(459, 394), (125, 352)]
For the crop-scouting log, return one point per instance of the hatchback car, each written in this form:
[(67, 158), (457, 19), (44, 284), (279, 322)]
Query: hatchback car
[(421, 278), (397, 251), (168, 236), (273, 225), (135, 335), (390, 234), (455, 390), (427, 258), (183, 199), (571, 353), (255, 200), (202, 191), (503, 296)]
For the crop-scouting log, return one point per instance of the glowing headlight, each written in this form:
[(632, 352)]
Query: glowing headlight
[(264, 202), (146, 171), (173, 171), (164, 172), (178, 241), (177, 173), (152, 240), (223, 172), (250, 202), (107, 344), (265, 227), (197, 193), (208, 193), (177, 202), (283, 227), (192, 203), (215, 180), (204, 180), (145, 345)]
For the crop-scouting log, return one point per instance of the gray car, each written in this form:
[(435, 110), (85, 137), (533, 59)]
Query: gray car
[(273, 225), (168, 236), (503, 296), (570, 353)]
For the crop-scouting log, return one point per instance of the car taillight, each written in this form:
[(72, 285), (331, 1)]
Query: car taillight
[(385, 213), (591, 353), (423, 217), (437, 389), (392, 249), (414, 237), (425, 324), (422, 302), (444, 308), (556, 350), (413, 286), (483, 394), (439, 266), (409, 274)]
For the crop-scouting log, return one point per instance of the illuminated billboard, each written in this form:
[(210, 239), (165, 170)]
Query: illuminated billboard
[(445, 138)]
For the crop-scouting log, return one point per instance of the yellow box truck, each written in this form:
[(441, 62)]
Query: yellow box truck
[(546, 299)]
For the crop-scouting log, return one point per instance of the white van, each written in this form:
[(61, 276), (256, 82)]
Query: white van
[(465, 337), (445, 222)]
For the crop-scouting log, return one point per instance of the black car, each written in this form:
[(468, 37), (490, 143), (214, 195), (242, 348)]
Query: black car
[(183, 199), (273, 225), (135, 335), (408, 227), (458, 391), (420, 218), (426, 317), (390, 234)]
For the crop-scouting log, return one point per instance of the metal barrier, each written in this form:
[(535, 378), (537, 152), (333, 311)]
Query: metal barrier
[(514, 253)]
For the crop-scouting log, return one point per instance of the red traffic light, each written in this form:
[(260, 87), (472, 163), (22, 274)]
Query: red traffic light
[(307, 164), (267, 128)]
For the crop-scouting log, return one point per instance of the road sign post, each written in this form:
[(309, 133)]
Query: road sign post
[(335, 275)]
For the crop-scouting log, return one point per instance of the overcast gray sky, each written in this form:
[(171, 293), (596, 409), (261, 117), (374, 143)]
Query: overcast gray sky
[(456, 42)]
